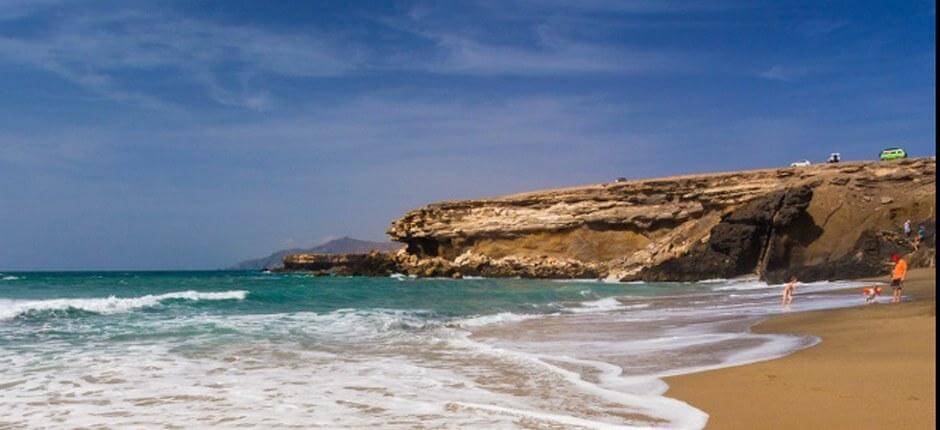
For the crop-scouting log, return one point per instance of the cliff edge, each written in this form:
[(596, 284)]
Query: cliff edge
[(819, 222)]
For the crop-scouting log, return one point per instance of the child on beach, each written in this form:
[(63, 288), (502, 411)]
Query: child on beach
[(788, 291), (921, 235), (897, 277)]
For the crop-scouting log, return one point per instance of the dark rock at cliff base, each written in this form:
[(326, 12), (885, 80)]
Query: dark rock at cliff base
[(343, 245), (870, 256), (473, 264), (371, 264), (740, 243)]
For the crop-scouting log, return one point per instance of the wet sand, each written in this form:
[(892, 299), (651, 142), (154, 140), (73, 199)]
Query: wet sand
[(875, 368)]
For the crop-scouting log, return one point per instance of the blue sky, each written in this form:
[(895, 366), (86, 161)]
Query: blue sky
[(157, 135)]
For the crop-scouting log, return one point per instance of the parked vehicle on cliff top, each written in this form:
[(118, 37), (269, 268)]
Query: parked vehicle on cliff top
[(889, 154), (835, 157), (801, 163)]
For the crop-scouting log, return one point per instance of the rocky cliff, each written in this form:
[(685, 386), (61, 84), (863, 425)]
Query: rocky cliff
[(818, 222)]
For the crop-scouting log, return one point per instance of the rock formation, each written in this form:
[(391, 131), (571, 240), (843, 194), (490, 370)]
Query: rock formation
[(343, 245), (372, 264), (819, 222)]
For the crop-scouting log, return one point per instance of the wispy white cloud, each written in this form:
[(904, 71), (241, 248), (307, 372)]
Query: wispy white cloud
[(540, 47), (102, 52), (109, 53), (786, 73), (13, 9), (819, 27), (562, 56), (359, 129), (390, 124)]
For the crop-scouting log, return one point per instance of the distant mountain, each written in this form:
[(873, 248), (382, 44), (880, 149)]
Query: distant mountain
[(344, 245)]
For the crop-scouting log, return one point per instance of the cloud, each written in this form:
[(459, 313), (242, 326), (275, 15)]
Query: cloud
[(819, 27), (105, 53), (521, 39), (155, 57), (383, 125), (785, 73), (363, 131), (15, 9), (464, 55)]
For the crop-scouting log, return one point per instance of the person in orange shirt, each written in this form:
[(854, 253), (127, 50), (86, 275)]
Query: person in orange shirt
[(897, 277)]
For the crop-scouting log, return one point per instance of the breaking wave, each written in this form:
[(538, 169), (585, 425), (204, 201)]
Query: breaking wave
[(10, 309)]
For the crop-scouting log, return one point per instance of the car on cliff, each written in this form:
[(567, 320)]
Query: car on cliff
[(835, 157), (893, 153), (801, 163)]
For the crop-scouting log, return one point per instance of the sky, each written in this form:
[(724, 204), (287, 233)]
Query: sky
[(190, 135)]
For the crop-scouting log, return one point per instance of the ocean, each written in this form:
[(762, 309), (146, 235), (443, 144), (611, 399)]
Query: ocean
[(251, 350)]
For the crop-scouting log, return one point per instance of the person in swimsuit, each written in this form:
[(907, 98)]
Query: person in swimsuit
[(897, 277), (788, 291)]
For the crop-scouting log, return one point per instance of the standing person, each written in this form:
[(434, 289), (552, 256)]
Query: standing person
[(897, 277), (788, 291), (907, 228)]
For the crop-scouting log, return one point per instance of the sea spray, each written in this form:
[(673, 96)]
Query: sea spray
[(147, 350), (108, 305)]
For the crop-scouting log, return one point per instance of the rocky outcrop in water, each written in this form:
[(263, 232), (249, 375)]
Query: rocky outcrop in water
[(819, 222), (343, 245), (371, 264)]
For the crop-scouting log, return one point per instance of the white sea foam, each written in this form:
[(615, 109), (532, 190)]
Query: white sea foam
[(9, 278), (713, 281), (385, 368), (606, 304), (577, 281), (10, 309), (677, 413), (744, 286), (808, 286), (502, 317), (342, 326)]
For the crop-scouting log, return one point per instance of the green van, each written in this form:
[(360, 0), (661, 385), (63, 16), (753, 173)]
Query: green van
[(889, 154)]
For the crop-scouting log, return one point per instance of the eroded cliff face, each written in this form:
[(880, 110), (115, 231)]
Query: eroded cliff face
[(819, 222)]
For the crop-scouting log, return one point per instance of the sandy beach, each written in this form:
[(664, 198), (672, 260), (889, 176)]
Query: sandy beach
[(875, 368)]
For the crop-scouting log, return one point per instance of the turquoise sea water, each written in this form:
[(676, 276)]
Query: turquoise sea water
[(96, 304), (246, 349)]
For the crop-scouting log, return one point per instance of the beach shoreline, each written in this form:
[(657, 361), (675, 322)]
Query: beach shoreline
[(875, 368)]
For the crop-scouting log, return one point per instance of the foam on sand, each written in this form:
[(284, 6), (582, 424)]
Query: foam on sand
[(746, 285), (502, 317), (581, 360), (609, 388), (604, 305)]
